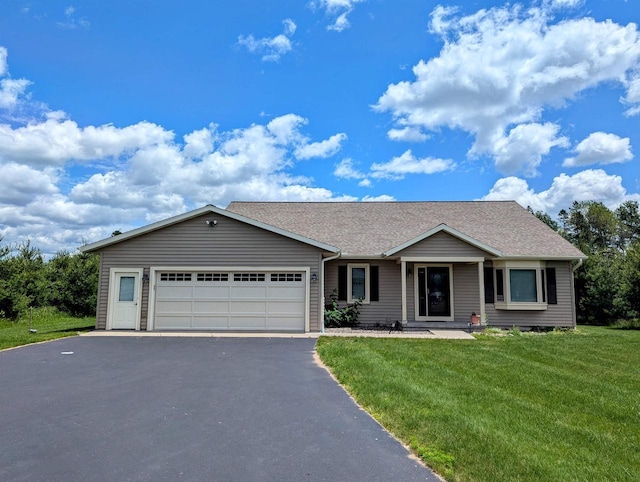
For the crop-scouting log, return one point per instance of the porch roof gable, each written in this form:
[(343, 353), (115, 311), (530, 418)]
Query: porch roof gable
[(446, 229)]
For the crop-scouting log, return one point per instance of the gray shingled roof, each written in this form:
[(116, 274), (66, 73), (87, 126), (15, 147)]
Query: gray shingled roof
[(370, 229)]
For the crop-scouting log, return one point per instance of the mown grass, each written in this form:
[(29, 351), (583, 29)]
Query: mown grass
[(554, 407), (49, 323)]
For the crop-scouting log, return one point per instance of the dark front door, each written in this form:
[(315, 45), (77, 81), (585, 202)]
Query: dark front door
[(434, 292)]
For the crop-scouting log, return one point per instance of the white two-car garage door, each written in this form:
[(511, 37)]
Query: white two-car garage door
[(230, 300)]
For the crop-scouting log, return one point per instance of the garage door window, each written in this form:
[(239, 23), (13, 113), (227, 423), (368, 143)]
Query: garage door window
[(248, 276), (212, 277), (286, 277), (175, 276)]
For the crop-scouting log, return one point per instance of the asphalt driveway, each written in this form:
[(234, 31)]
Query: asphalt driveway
[(225, 409)]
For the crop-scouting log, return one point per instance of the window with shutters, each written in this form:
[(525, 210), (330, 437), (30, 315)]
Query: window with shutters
[(522, 285), (358, 285)]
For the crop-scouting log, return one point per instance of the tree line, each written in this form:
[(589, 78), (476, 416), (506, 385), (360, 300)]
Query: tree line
[(67, 281), (607, 285)]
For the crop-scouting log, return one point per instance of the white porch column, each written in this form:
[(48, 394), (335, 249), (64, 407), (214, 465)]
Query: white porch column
[(481, 285), (403, 275)]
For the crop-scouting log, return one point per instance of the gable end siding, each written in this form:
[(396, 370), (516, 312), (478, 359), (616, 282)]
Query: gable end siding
[(443, 245)]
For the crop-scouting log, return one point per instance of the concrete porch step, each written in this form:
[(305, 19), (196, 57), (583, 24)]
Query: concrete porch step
[(417, 326)]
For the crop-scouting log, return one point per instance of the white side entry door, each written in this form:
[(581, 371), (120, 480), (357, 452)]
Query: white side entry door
[(124, 303)]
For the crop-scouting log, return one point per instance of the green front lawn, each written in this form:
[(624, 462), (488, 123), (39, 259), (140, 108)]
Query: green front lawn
[(49, 323), (554, 407)]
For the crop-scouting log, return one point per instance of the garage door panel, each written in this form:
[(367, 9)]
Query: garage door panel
[(210, 322), (248, 322), (235, 301), (172, 291), (248, 292), (173, 322), (286, 292), (174, 306), (283, 323), (208, 292), (247, 307), (285, 307), (217, 307)]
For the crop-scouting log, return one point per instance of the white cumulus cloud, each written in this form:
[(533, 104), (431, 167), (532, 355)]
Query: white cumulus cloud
[(346, 169), (600, 148), (57, 140), (407, 163), (503, 67), (271, 48), (407, 134), (588, 185), (323, 149), (337, 11), (525, 145)]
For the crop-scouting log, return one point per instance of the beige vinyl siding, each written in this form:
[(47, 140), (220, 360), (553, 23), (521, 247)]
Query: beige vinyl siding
[(193, 243), (561, 314), (389, 307), (466, 291), (443, 245)]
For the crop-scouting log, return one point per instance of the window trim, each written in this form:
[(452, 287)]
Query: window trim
[(367, 284), (506, 267)]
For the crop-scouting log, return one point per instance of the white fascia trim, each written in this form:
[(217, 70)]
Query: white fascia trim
[(440, 259), (361, 256), (198, 212), (449, 230), (543, 258)]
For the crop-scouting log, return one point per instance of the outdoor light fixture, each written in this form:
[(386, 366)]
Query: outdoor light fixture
[(212, 223), (145, 278), (314, 278), (409, 273)]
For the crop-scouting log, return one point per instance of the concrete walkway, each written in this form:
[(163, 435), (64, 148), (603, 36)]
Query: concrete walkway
[(431, 334)]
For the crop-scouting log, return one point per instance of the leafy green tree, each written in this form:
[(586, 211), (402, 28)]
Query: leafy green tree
[(12, 298), (599, 297), (28, 265), (589, 225), (545, 218), (628, 215), (72, 281), (630, 280)]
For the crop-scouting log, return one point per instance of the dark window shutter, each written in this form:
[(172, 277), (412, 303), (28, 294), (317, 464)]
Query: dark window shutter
[(552, 295), (488, 285), (342, 282), (373, 284), (499, 285)]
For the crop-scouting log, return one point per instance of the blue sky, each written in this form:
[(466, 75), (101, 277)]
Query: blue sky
[(116, 114)]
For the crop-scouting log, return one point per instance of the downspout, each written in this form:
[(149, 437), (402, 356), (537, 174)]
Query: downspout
[(574, 268), (324, 260)]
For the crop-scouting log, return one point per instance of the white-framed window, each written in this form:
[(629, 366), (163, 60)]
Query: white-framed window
[(358, 282), (520, 285)]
